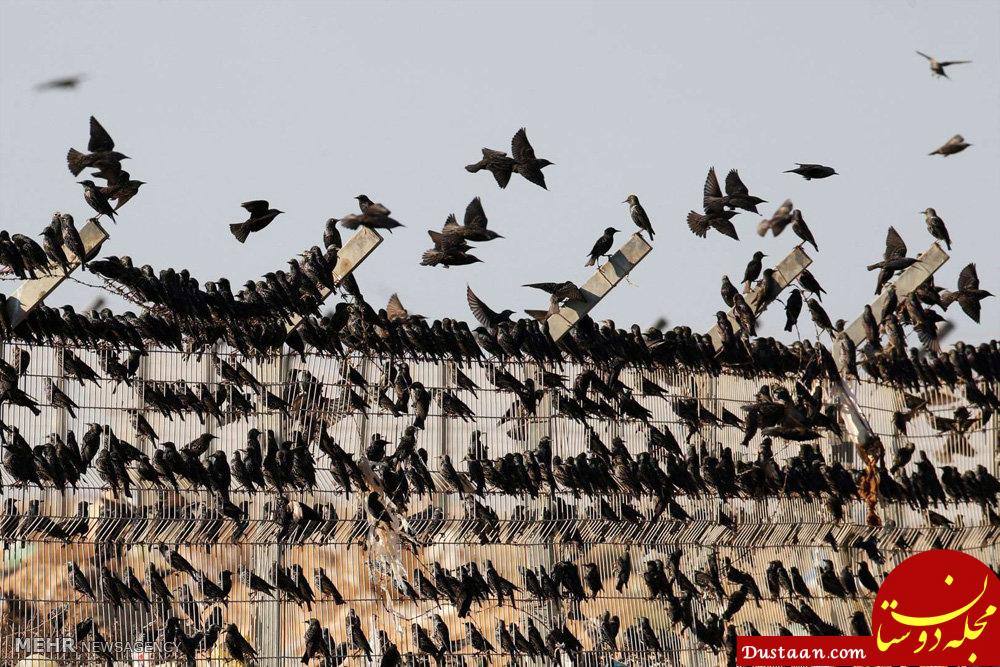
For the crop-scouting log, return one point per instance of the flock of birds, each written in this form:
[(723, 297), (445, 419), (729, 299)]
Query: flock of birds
[(628, 497)]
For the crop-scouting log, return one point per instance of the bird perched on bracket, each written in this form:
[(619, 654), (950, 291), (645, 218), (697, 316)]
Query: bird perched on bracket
[(639, 217), (935, 225), (373, 216), (602, 245), (261, 215)]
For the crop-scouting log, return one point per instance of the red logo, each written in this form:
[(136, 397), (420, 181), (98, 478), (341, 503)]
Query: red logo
[(935, 608)]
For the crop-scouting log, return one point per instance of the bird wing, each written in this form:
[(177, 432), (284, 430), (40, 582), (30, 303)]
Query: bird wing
[(712, 188), (924, 55), (100, 140), (968, 279), (256, 207), (377, 209), (725, 227), (894, 245), (734, 186), (957, 139), (545, 287), (450, 222), (475, 216), (954, 62), (394, 309), (479, 309), (520, 148)]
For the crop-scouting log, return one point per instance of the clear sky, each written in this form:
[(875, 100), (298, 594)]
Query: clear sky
[(309, 104)]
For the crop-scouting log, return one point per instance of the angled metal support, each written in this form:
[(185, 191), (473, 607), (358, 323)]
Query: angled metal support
[(355, 251), (785, 273), (608, 275), (910, 279), (33, 292)]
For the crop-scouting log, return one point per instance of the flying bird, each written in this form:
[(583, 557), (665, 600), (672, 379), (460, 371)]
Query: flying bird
[(525, 162), (737, 194), (101, 155), (261, 215), (486, 316), (474, 224), (811, 171), (956, 144), (61, 83), (937, 67)]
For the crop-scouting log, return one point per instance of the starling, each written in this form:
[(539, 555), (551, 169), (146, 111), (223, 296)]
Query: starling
[(935, 225), (260, 216), (497, 163), (72, 241), (486, 316), (728, 290), (737, 194), (564, 291), (811, 171), (474, 224), (96, 199), (602, 245), (802, 230), (937, 67), (819, 316), (101, 147), (793, 306), (718, 220), (639, 217), (752, 271), (956, 144), (969, 294), (778, 221), (60, 83), (525, 162)]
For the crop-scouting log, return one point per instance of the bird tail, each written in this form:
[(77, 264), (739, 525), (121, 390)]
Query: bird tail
[(697, 223), (239, 231), (76, 161), (591, 261), (876, 265)]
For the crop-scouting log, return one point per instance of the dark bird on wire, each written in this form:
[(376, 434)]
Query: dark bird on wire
[(261, 215), (602, 246), (956, 144), (935, 225), (101, 147), (639, 217), (811, 171), (937, 67)]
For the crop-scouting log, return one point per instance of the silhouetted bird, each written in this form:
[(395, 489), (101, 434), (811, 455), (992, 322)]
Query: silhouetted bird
[(602, 245), (101, 147), (718, 220), (956, 144), (802, 230), (752, 271), (969, 293), (639, 217), (811, 171), (793, 306), (474, 224), (937, 67), (60, 83), (525, 162), (935, 225), (96, 200), (497, 163), (72, 241), (260, 217), (483, 313), (737, 194)]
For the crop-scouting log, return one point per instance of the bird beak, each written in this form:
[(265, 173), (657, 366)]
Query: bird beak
[(624, 201)]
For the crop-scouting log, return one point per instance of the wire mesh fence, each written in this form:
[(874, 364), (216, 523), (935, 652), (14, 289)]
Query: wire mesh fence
[(114, 538)]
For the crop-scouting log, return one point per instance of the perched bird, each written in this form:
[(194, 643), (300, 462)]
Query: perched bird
[(752, 272), (802, 230), (811, 171), (373, 215), (639, 217), (937, 67), (602, 246), (260, 216), (819, 316), (956, 144), (395, 312), (793, 306), (935, 225), (96, 199), (72, 241)]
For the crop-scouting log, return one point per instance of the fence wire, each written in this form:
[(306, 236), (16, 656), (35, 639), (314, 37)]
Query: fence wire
[(112, 538)]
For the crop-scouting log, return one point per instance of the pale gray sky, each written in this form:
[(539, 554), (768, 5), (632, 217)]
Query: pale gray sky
[(309, 104)]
